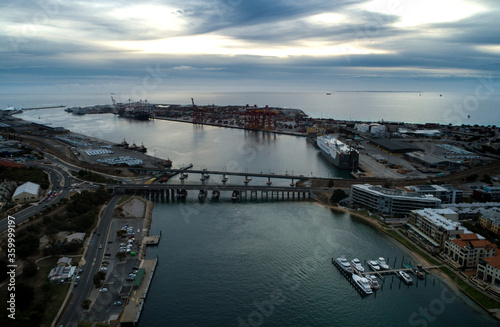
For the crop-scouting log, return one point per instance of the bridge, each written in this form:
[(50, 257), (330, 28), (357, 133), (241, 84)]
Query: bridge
[(172, 171), (180, 190)]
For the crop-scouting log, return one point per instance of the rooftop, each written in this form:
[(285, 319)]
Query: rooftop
[(493, 261), (438, 220), (27, 187)]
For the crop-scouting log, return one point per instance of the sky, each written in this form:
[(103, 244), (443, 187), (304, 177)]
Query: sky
[(248, 45)]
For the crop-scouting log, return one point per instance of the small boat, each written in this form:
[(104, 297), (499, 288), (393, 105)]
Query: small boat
[(215, 194), (225, 178), (357, 266), (204, 176), (373, 282), (344, 264), (418, 273), (236, 195), (269, 183), (405, 277), (373, 265), (247, 180), (363, 284), (382, 264)]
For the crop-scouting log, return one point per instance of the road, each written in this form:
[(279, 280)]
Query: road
[(59, 180), (93, 258)]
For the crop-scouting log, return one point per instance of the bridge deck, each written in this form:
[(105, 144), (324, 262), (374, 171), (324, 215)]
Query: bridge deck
[(160, 187)]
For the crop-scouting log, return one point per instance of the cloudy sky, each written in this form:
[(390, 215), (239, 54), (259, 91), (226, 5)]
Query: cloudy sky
[(254, 45)]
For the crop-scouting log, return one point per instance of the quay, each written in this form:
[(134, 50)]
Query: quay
[(151, 240), (38, 108), (132, 312)]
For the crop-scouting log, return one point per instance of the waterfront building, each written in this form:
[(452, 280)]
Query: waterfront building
[(488, 270), (390, 201), (436, 226), (28, 192), (466, 250), (447, 193)]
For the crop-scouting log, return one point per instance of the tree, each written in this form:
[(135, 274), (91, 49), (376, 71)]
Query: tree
[(30, 269), (486, 179), (86, 304), (98, 278), (338, 195), (121, 255), (28, 245), (121, 233)]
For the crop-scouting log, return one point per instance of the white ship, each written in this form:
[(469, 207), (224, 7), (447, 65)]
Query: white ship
[(339, 154), (363, 284)]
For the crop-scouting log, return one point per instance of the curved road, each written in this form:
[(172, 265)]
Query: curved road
[(59, 179)]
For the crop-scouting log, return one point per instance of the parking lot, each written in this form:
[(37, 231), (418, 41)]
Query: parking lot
[(120, 274)]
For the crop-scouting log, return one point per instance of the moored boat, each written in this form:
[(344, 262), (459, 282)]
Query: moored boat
[(405, 277), (373, 282), (357, 266), (418, 273), (382, 264), (363, 284), (344, 264), (373, 265)]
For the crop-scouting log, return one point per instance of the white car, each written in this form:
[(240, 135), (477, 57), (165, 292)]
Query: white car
[(103, 290)]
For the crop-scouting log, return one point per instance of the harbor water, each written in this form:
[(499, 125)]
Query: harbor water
[(264, 263)]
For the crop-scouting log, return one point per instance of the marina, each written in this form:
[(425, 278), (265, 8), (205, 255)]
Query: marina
[(354, 272)]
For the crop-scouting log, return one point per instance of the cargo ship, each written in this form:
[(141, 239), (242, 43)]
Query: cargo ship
[(339, 154), (134, 114)]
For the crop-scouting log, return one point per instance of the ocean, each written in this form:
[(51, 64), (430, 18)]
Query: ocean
[(480, 106)]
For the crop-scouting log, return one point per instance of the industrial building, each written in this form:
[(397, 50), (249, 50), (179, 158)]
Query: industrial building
[(394, 147), (28, 192), (432, 161)]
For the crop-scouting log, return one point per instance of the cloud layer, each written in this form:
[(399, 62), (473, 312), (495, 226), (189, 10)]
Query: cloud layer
[(324, 45)]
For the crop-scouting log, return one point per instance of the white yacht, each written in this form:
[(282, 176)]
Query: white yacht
[(373, 282), (357, 266), (405, 277), (382, 264), (344, 264), (374, 265), (363, 284)]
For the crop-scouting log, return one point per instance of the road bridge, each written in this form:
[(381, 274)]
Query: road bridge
[(180, 190)]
